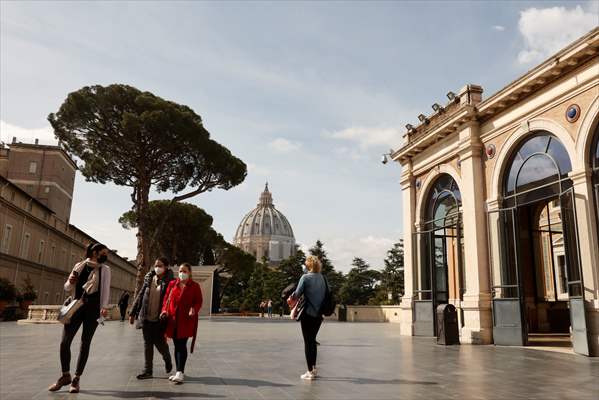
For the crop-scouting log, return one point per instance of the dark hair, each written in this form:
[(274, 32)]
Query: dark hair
[(186, 265), (97, 247), (164, 261)]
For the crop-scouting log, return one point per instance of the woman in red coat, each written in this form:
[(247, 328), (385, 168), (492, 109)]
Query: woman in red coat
[(183, 300)]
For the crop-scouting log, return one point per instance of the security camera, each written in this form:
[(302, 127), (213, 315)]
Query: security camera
[(384, 159)]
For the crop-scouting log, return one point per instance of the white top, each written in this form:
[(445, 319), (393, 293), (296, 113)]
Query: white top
[(104, 285)]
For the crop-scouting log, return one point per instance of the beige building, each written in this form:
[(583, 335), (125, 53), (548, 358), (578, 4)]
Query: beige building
[(500, 208), (265, 232), (36, 239)]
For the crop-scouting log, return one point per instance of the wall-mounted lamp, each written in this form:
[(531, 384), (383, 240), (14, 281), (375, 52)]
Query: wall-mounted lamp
[(422, 118), (437, 107), (385, 157)]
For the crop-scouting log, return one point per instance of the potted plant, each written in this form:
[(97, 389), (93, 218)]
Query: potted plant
[(8, 293), (27, 294)]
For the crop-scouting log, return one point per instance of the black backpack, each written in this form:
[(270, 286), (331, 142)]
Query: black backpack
[(328, 304)]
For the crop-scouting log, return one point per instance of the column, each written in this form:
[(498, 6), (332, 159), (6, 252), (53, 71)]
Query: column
[(410, 264), (589, 249), (477, 297)]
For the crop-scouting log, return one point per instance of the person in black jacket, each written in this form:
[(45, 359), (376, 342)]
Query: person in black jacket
[(123, 304), (146, 309)]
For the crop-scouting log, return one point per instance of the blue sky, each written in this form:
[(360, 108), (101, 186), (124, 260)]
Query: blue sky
[(308, 94)]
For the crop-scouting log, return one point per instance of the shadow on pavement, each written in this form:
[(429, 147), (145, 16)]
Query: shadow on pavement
[(368, 381), (253, 383), (346, 345), (144, 394)]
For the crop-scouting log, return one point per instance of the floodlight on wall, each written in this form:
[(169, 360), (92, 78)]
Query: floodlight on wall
[(422, 118), (437, 107), (409, 127), (451, 96)]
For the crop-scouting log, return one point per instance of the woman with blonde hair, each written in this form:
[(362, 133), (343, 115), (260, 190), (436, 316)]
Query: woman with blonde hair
[(181, 307), (313, 287)]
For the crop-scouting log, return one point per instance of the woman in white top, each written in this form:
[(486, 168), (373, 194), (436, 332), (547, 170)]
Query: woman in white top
[(90, 281)]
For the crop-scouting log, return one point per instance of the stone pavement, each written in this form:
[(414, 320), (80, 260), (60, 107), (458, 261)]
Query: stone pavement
[(258, 359)]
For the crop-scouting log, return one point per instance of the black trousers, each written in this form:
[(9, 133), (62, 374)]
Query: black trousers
[(123, 310), (180, 353), (153, 333), (310, 326), (86, 316)]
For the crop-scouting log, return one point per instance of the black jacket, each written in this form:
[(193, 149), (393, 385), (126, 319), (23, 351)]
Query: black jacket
[(140, 305)]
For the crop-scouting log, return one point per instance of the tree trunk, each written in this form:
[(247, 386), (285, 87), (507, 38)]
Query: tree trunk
[(143, 240)]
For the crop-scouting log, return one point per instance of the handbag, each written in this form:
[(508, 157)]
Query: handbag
[(298, 310), (68, 309)]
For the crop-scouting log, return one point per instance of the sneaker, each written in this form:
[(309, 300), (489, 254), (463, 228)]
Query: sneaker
[(168, 365), (314, 373), (170, 378), (308, 376), (74, 385), (179, 377), (62, 381), (145, 375)]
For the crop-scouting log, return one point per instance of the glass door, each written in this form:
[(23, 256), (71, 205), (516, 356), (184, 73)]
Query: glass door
[(508, 316)]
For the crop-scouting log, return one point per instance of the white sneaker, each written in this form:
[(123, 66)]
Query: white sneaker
[(179, 377), (308, 376), (170, 378), (314, 373)]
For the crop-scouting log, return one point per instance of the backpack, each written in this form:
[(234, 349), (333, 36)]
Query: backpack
[(328, 305)]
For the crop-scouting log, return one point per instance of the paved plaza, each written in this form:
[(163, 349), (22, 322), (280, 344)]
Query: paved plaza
[(258, 359)]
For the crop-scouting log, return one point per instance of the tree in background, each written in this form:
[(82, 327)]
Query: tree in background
[(235, 269), (334, 278), (185, 236), (391, 287), (136, 139), (360, 283)]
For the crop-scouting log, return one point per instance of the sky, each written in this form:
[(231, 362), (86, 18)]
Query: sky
[(308, 94)]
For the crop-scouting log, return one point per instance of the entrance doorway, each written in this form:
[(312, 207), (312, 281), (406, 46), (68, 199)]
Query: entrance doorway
[(537, 281)]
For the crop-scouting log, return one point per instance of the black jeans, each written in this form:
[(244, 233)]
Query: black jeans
[(123, 310), (180, 353), (153, 333), (310, 326), (86, 316)]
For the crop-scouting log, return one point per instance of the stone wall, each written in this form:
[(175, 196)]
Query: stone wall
[(373, 314)]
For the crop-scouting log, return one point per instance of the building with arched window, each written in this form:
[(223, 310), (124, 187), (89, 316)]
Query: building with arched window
[(501, 208), (265, 232)]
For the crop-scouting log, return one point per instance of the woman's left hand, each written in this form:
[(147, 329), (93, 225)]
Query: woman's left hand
[(192, 312), (104, 312)]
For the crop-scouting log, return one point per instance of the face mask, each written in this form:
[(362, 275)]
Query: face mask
[(183, 276), (102, 259), (159, 270)]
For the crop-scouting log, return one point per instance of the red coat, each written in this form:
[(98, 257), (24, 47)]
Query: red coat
[(177, 303)]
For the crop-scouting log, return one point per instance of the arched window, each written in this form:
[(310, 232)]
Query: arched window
[(444, 202), (538, 169)]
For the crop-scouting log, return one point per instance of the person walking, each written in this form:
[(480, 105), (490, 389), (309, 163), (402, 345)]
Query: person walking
[(313, 287), (90, 282), (183, 301), (269, 308), (123, 304), (146, 309)]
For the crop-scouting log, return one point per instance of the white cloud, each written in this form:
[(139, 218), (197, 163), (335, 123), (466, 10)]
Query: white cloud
[(499, 28), (349, 152), (257, 169), (369, 137), (282, 145), (26, 135), (547, 30)]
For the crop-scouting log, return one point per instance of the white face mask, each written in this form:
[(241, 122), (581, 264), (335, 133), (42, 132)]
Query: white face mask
[(183, 276), (159, 270)]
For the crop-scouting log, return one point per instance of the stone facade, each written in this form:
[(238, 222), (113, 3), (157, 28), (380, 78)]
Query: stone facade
[(36, 238), (474, 141)]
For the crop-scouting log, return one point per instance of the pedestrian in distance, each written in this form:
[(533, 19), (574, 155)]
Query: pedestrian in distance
[(123, 304), (181, 307), (313, 287), (269, 307), (146, 309), (90, 282)]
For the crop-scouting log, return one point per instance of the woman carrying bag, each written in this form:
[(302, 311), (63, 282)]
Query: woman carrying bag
[(90, 280), (183, 301)]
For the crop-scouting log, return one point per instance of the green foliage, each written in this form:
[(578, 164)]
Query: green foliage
[(8, 291), (292, 267), (334, 278), (28, 292), (236, 267), (360, 284), (185, 236), (136, 139), (392, 276)]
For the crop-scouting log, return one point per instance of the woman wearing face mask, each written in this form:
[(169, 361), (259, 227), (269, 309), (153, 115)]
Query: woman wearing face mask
[(182, 304), (146, 309), (90, 281)]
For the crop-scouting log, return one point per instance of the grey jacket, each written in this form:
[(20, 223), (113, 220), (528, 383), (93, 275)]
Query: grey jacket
[(140, 305)]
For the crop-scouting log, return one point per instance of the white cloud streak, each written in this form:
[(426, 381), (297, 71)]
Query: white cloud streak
[(499, 28), (369, 137), (282, 145), (26, 135), (547, 30)]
